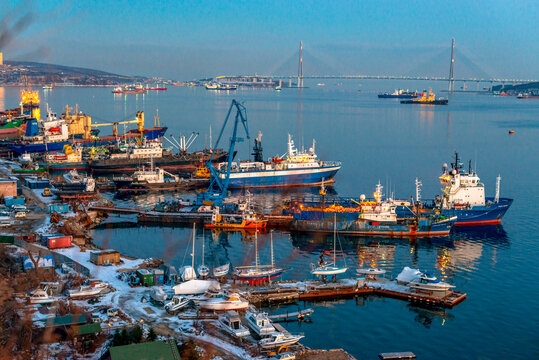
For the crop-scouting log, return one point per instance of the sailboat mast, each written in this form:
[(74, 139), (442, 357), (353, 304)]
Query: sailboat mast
[(202, 246), (256, 250), (271, 239), (193, 254), (334, 237)]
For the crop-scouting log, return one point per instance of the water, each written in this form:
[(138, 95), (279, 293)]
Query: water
[(376, 140)]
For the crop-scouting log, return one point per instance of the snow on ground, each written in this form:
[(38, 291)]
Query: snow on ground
[(44, 199), (129, 300)]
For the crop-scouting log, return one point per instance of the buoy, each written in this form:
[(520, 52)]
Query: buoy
[(511, 131)]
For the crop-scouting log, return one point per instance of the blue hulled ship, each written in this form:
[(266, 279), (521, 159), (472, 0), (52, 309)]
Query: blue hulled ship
[(292, 169)]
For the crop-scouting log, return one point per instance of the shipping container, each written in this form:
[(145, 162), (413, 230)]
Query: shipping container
[(7, 239), (59, 208), (28, 238), (105, 257), (59, 242), (146, 277), (37, 183), (12, 200)]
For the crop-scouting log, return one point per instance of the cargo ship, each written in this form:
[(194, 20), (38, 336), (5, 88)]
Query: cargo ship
[(13, 121), (463, 195), (370, 218), (528, 96), (129, 89), (54, 133), (292, 169), (69, 159), (427, 98), (400, 94), (128, 161)]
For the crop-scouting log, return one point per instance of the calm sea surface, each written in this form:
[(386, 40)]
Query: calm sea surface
[(376, 140)]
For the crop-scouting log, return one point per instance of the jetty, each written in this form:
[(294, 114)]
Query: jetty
[(296, 315), (315, 291)]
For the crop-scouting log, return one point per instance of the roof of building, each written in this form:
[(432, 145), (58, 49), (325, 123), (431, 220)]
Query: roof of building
[(107, 251), (66, 320), (157, 350), (86, 329)]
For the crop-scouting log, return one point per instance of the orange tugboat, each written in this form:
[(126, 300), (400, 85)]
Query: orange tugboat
[(428, 98), (246, 221)]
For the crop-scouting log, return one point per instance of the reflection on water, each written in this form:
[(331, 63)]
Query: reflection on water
[(2, 98)]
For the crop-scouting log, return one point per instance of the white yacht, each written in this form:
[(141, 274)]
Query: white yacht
[(221, 302), (279, 339), (231, 323), (259, 323), (428, 282)]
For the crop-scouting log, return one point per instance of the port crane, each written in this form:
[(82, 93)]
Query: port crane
[(217, 190), (139, 120)]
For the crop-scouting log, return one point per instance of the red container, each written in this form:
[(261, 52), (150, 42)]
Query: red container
[(59, 242)]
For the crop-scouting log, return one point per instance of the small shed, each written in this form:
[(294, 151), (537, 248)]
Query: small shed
[(162, 350), (105, 257), (8, 187), (146, 277)]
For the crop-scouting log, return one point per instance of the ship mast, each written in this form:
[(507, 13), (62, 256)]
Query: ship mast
[(193, 253), (497, 197)]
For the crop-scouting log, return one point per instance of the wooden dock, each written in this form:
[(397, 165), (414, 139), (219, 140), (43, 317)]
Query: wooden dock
[(397, 355), (291, 315), (338, 291)]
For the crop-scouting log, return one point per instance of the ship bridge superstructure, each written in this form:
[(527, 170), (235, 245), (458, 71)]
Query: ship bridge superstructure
[(461, 188)]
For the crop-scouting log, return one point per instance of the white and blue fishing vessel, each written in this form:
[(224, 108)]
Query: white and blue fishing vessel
[(294, 168)]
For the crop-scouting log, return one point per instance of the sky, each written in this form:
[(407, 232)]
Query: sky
[(186, 40)]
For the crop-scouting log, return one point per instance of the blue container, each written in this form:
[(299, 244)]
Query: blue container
[(11, 200), (59, 208)]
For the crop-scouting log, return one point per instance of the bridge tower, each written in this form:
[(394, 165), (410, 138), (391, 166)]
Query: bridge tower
[(300, 65), (451, 74)]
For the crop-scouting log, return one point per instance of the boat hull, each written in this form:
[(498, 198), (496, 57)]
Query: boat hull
[(65, 166), (283, 178), (348, 223), (149, 134), (476, 216), (434, 102)]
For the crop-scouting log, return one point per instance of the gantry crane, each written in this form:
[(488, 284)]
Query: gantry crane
[(217, 190)]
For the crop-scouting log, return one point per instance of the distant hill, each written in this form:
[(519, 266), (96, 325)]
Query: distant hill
[(533, 86), (51, 73)]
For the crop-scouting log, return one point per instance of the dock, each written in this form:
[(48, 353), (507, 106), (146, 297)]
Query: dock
[(299, 315), (397, 355), (116, 210), (315, 292)]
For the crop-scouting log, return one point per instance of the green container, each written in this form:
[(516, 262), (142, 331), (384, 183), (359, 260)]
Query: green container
[(8, 239), (146, 277)]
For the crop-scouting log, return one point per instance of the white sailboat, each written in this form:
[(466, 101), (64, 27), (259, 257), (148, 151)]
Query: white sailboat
[(222, 270), (191, 285), (258, 273), (203, 270), (330, 269)]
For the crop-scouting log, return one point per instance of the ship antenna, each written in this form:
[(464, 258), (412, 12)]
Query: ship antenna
[(497, 197)]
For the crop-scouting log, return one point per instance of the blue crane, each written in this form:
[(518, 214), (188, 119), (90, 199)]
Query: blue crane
[(217, 190)]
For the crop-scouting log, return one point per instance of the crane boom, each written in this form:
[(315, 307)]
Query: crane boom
[(217, 189)]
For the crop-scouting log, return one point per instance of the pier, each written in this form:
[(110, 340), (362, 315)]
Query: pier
[(313, 291)]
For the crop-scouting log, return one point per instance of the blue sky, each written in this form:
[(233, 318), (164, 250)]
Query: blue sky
[(193, 39)]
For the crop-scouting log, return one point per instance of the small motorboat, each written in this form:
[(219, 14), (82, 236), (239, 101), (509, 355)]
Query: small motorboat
[(231, 323), (429, 282), (158, 295), (221, 271), (85, 291), (279, 339), (370, 273), (221, 302), (176, 304), (260, 323), (40, 296)]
